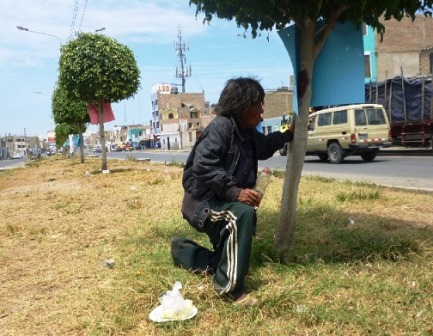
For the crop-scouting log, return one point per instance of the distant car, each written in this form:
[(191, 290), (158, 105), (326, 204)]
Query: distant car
[(17, 156), (97, 149)]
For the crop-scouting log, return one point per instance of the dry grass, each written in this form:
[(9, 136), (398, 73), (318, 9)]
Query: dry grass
[(57, 226)]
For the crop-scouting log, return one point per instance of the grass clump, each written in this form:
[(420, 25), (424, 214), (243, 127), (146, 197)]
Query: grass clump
[(358, 195), (360, 261)]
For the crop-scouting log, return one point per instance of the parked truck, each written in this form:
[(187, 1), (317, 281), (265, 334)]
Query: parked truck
[(409, 105)]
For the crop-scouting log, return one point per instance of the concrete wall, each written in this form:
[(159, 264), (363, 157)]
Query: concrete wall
[(390, 65)]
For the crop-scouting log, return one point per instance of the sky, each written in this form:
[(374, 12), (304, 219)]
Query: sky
[(217, 52)]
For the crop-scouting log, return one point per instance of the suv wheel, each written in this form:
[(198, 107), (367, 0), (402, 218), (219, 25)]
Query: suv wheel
[(368, 157), (323, 157), (335, 153)]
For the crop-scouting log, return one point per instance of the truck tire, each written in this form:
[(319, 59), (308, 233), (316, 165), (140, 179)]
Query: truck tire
[(323, 157), (335, 153), (283, 151), (368, 157)]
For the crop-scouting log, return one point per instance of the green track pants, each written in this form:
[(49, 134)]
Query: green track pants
[(230, 228)]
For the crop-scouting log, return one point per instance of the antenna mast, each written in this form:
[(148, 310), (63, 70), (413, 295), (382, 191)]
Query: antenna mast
[(183, 71)]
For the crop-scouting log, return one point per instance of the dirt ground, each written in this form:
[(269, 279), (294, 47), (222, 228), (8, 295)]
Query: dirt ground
[(60, 220), (57, 224)]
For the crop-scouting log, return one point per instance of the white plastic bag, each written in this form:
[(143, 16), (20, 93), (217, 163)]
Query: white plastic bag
[(173, 306)]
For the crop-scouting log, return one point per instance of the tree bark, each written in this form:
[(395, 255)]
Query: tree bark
[(296, 149), (100, 108)]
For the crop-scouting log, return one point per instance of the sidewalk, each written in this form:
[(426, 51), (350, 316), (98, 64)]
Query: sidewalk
[(400, 150)]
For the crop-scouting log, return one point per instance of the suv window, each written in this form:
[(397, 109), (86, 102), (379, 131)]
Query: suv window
[(324, 119), (340, 117), (360, 119), (375, 117)]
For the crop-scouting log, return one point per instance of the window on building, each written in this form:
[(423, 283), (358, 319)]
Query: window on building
[(190, 136), (189, 125), (193, 115), (170, 116), (263, 129), (367, 66), (269, 129)]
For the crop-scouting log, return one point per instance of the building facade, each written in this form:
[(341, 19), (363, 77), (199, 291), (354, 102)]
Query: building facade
[(406, 49), (370, 54), (19, 144), (278, 102), (178, 118)]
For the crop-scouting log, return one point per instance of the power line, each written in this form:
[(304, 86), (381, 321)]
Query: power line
[(82, 16), (74, 17)]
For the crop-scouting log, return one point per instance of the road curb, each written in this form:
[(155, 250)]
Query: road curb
[(405, 152)]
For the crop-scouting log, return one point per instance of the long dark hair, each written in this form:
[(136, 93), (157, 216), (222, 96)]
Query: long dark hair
[(238, 95)]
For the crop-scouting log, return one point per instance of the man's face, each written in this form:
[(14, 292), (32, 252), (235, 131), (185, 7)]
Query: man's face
[(253, 116)]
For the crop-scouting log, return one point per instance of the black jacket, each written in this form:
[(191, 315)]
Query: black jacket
[(210, 167)]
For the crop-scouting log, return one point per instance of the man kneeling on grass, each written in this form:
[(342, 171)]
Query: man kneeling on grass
[(218, 179)]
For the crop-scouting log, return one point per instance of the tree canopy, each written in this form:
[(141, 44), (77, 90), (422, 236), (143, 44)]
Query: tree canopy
[(259, 15), (95, 67), (62, 132), (68, 111), (70, 115)]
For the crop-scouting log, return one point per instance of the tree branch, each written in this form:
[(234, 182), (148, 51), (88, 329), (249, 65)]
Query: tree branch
[(327, 28)]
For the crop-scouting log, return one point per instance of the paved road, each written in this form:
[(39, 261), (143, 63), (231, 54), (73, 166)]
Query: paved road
[(410, 172), (9, 164)]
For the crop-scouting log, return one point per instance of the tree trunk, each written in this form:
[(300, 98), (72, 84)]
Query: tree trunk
[(296, 149), (81, 127), (100, 108)]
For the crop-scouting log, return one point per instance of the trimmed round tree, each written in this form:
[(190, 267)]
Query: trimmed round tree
[(98, 70), (70, 112), (62, 132)]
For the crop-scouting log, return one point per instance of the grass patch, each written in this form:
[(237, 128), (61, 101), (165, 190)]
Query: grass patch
[(358, 195), (360, 260)]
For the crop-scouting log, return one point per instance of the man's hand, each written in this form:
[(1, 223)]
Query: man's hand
[(250, 197), (292, 125)]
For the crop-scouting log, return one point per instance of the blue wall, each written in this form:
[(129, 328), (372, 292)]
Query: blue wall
[(338, 76)]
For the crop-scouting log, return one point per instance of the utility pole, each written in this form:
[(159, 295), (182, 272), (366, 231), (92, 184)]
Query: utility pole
[(183, 71)]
